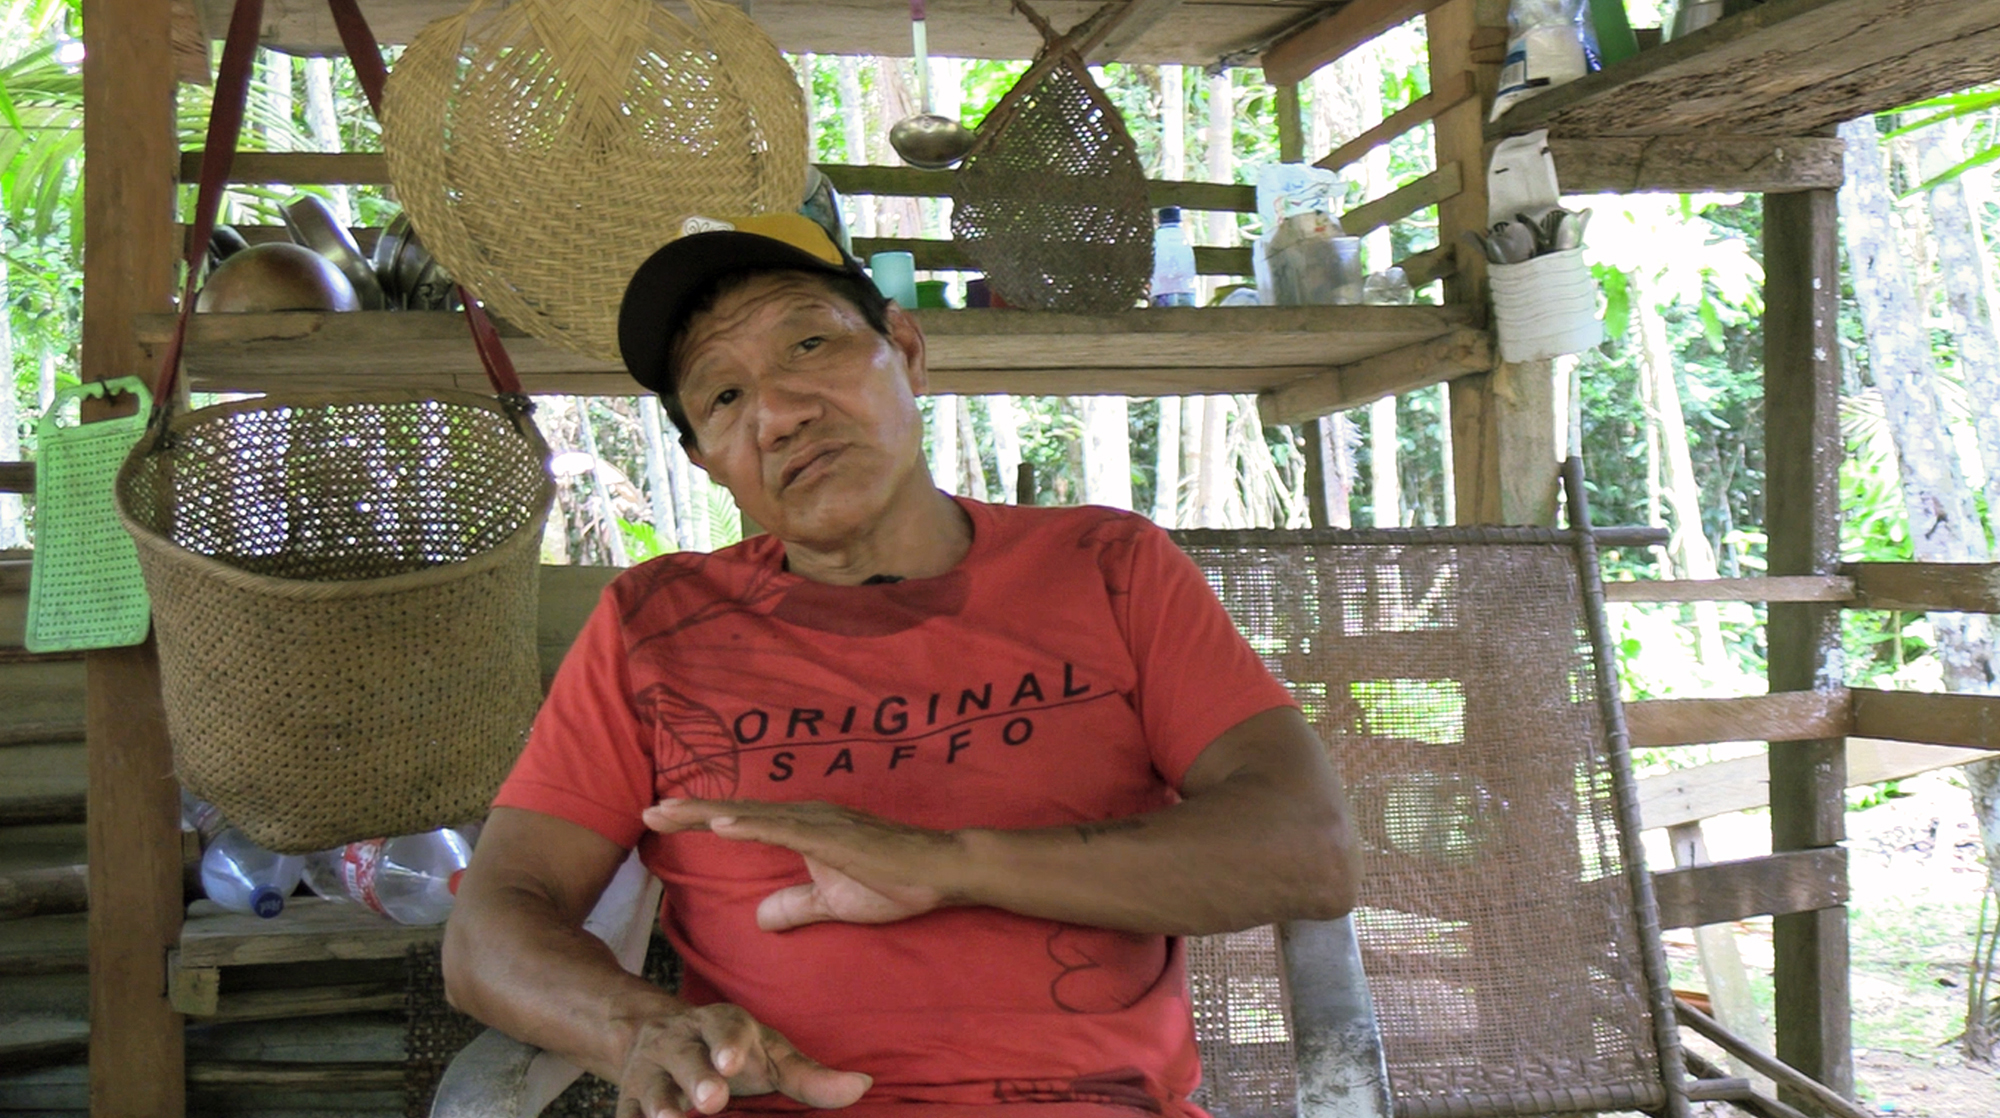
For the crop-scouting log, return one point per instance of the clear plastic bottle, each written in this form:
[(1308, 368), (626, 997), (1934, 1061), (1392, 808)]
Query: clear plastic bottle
[(201, 817), (1387, 289), (241, 876), (1173, 262), (411, 879)]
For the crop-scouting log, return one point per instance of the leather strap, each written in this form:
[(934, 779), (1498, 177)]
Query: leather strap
[(225, 125)]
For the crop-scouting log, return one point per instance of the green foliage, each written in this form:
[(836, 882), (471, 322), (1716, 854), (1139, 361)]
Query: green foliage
[(1976, 105)]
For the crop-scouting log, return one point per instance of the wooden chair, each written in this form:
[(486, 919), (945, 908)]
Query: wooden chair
[(1462, 681)]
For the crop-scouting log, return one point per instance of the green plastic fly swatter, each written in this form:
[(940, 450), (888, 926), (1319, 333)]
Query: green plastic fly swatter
[(84, 586)]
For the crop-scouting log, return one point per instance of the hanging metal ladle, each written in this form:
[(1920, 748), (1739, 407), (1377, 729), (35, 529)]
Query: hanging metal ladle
[(928, 140)]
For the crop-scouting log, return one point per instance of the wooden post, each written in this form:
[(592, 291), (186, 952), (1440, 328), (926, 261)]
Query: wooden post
[(137, 1059), (1478, 409), (1802, 515), (1291, 129)]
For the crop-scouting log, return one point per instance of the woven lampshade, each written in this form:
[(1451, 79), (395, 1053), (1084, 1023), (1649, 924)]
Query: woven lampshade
[(545, 148)]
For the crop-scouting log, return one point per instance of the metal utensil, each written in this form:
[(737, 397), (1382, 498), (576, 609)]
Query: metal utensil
[(312, 224), (928, 140), (1514, 241)]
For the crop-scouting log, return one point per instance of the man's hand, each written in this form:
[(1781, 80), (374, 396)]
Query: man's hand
[(865, 870), (696, 1061)]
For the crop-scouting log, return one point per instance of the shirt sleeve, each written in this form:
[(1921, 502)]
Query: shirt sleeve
[(1197, 676), (589, 758)]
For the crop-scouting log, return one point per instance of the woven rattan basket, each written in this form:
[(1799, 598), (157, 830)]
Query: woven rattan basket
[(1051, 200), (546, 148), (344, 594)]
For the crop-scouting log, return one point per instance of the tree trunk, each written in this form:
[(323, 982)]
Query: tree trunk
[(606, 516), (1167, 464), (324, 123), (1942, 525), (666, 502), (854, 135), (1663, 397), (45, 382), (972, 468), (1173, 123), (13, 532), (1446, 462), (944, 442), (1385, 489), (895, 217), (1004, 417), (1215, 481), (1221, 164), (1967, 288), (1107, 451), (1339, 437)]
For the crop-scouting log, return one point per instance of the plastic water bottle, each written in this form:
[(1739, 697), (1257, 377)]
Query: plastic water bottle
[(241, 876), (1387, 289), (201, 817), (411, 879), (1173, 262)]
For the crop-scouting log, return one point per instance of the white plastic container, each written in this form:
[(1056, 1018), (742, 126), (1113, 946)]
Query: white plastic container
[(1173, 263), (1545, 307), (411, 879), (243, 877)]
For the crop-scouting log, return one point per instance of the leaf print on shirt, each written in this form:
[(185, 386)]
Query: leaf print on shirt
[(1086, 984), (693, 750)]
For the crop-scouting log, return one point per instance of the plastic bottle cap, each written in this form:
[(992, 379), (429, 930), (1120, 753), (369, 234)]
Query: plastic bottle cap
[(266, 901), (451, 884), (1170, 215)]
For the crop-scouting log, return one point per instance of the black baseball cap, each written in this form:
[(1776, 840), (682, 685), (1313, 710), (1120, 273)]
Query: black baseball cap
[(664, 290)]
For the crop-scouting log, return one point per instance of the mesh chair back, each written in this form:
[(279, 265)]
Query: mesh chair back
[(1451, 674)]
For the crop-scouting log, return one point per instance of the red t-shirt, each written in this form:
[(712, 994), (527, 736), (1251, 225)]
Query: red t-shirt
[(1069, 669)]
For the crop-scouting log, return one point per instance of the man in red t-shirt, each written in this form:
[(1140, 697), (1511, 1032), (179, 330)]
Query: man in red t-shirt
[(932, 784)]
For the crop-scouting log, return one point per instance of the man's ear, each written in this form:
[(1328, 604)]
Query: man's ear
[(908, 337), (694, 454)]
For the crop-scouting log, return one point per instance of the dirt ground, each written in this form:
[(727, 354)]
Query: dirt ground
[(1916, 877)]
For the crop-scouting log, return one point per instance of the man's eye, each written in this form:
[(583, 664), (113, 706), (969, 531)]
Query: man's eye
[(724, 398), (812, 343)]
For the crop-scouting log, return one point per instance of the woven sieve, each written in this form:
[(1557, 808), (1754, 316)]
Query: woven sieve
[(1051, 201), (546, 148)]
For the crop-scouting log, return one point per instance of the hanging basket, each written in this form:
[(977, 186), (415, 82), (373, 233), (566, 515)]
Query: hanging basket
[(546, 148), (1051, 201), (343, 586)]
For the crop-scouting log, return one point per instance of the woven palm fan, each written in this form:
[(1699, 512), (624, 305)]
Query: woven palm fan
[(1051, 201), (546, 148)]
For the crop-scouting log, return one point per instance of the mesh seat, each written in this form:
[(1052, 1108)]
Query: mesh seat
[(1510, 952)]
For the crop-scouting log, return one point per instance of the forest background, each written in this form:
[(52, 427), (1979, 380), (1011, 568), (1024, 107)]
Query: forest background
[(1666, 413)]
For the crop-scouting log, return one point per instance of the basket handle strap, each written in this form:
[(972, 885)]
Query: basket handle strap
[(225, 126), (374, 76)]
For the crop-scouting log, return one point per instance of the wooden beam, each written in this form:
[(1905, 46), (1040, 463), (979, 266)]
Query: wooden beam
[(17, 477), (309, 930), (1295, 57), (137, 1054), (938, 255), (193, 990), (1390, 374), (1444, 97), (1692, 164), (1971, 587), (1967, 721), (1782, 68), (301, 1075), (190, 44), (1803, 450), (43, 891), (1431, 264), (1440, 185), (1780, 716), (1458, 136), (359, 168), (1742, 783), (1798, 588), (1778, 884), (1143, 17)]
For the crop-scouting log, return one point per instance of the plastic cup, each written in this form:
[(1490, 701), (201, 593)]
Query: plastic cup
[(930, 295), (895, 276)]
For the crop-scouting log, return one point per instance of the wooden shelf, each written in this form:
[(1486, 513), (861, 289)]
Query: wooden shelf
[(1138, 353), (1196, 32), (309, 930), (1787, 68)]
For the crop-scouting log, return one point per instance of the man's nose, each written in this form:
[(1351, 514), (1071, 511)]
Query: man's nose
[(782, 410)]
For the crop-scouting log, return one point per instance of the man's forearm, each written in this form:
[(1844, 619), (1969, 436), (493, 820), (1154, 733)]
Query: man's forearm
[(1241, 855), (513, 961)]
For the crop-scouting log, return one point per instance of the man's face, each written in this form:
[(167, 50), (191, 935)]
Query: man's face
[(801, 410)]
